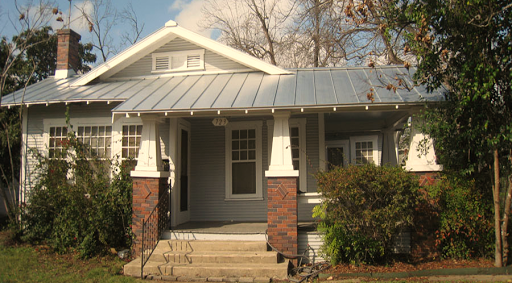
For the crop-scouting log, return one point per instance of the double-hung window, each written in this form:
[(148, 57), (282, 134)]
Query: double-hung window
[(131, 141), (243, 160), (58, 136), (98, 138), (364, 150)]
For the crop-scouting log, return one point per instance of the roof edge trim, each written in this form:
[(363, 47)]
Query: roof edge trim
[(172, 27)]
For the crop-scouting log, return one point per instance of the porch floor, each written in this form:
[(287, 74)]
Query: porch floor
[(221, 227), (229, 227)]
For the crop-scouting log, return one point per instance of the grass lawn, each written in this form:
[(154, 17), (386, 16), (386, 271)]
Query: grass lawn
[(24, 263)]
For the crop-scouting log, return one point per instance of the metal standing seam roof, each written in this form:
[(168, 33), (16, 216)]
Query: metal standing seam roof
[(303, 88)]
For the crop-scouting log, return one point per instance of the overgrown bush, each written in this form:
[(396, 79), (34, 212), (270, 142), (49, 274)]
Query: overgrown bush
[(363, 207), (465, 218), (81, 201)]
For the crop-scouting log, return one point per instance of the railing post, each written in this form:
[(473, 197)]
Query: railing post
[(142, 252)]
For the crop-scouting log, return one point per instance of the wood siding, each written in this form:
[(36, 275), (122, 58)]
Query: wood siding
[(207, 177), (213, 61), (314, 240)]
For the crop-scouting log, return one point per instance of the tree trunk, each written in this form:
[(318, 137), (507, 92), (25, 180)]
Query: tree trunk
[(506, 216), (498, 257), (316, 36)]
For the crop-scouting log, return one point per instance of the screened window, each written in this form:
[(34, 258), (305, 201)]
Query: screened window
[(243, 160), (131, 141), (98, 138), (58, 138)]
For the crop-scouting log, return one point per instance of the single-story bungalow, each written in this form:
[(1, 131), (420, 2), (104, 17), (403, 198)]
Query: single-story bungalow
[(241, 137)]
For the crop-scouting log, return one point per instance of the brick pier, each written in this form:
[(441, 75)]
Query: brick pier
[(282, 214)]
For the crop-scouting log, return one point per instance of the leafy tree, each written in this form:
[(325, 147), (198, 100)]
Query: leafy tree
[(32, 64), (466, 45)]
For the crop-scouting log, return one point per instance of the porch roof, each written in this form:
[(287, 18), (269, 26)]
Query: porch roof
[(304, 88)]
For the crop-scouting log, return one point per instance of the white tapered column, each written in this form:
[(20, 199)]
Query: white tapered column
[(149, 161)]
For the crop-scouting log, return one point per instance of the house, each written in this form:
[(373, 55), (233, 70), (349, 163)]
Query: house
[(241, 137)]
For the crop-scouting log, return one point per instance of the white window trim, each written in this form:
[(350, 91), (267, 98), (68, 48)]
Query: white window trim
[(172, 54), (338, 143), (75, 122), (373, 138), (301, 124), (256, 125)]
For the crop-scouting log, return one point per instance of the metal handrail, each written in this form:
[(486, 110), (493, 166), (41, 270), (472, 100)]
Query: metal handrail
[(152, 228)]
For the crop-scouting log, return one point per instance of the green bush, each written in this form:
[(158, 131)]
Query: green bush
[(81, 201), (363, 207), (465, 218)]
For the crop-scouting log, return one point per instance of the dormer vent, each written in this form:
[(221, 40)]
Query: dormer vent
[(179, 61)]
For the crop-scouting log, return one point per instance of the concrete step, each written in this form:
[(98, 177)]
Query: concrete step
[(215, 257), (202, 270), (180, 245)]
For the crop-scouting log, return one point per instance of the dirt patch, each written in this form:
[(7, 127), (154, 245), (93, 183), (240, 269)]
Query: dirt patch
[(341, 269)]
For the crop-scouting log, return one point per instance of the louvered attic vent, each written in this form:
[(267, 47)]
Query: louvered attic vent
[(178, 61)]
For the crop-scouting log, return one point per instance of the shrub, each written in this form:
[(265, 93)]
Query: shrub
[(80, 201), (465, 218), (363, 207)]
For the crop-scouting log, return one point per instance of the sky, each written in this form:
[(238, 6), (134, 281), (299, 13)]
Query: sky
[(153, 13)]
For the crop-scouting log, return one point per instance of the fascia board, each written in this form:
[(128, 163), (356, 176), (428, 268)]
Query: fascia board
[(126, 57), (231, 53)]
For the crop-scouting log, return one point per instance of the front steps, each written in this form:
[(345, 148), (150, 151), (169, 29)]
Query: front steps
[(230, 260)]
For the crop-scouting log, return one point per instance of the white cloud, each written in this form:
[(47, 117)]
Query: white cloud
[(190, 16), (177, 5), (78, 23)]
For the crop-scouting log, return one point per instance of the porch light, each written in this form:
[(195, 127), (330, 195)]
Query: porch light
[(47, 104), (220, 122), (334, 109), (218, 112), (246, 111), (191, 113), (273, 110), (366, 107), (9, 106), (108, 102), (396, 107), (302, 110)]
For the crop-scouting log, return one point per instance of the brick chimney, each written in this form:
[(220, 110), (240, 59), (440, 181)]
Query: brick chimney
[(67, 53)]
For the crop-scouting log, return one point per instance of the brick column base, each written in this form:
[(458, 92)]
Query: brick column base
[(282, 216), (146, 192), (423, 237)]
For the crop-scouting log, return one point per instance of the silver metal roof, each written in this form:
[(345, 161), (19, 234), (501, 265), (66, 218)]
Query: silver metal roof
[(304, 88)]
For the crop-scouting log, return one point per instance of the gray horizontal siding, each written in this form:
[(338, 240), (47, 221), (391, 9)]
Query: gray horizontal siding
[(207, 177), (213, 61), (314, 240), (35, 127)]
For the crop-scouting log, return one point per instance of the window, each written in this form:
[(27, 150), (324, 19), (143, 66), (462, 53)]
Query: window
[(298, 146), (57, 138), (337, 153), (131, 141), (364, 150), (99, 138), (178, 61), (243, 160)]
